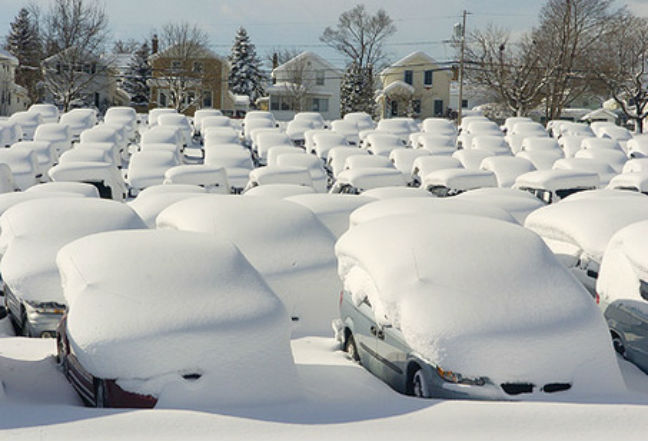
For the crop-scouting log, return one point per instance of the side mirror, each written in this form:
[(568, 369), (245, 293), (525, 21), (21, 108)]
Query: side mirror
[(3, 312)]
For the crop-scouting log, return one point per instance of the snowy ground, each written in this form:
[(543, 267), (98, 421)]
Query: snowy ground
[(342, 401)]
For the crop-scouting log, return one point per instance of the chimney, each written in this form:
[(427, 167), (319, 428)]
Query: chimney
[(154, 44), (275, 63)]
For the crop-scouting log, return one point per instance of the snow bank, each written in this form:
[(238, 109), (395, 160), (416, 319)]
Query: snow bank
[(587, 223), (284, 241), (414, 206), (34, 231), (148, 206), (226, 324), (87, 190), (480, 297)]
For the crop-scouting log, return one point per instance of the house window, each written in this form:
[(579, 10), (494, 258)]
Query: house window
[(207, 98), (176, 65), (285, 103), (86, 68), (427, 78), (93, 68), (464, 104), (416, 106), (190, 98), (394, 108), (438, 107), (197, 67), (274, 103), (162, 100), (320, 105), (319, 78), (408, 77)]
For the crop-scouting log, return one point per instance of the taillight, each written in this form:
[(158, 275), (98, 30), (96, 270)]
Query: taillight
[(341, 297), (598, 298)]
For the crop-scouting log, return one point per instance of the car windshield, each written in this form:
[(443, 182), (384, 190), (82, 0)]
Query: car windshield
[(562, 194)]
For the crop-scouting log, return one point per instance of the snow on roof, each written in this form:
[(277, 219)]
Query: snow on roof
[(397, 86), (227, 325), (638, 181), (34, 231), (284, 241), (414, 206), (304, 55), (587, 223), (478, 296), (553, 180), (598, 114), (332, 210), (4, 55), (459, 179)]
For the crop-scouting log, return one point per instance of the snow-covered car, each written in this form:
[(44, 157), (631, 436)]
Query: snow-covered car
[(506, 168), (283, 240), (313, 118), (219, 135), (496, 145), (83, 189), (357, 180), (162, 135), (622, 292), (24, 166), (278, 191), (122, 116), (602, 168), (105, 134), (210, 177), (637, 181), (106, 177), (45, 151), (412, 311), (518, 204), (256, 124), (154, 114), (348, 129), (381, 144), (110, 150), (208, 348), (361, 119), (275, 174), (49, 112), (471, 159), (600, 143), (179, 122), (337, 156), (215, 122), (637, 147), (427, 164), (7, 184), (395, 192), (453, 181), (541, 159), (311, 163), (571, 144), (58, 134), (201, 114), (535, 143), (400, 127), (637, 165), (265, 140), (578, 231), (147, 168), (296, 131), (309, 145), (521, 130), (148, 205), (403, 158), (10, 133), (550, 186), (28, 122), (79, 120), (364, 161), (322, 143), (614, 158), (32, 234), (439, 126), (477, 128)]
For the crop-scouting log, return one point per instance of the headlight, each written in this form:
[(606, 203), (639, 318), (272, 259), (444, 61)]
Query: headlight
[(46, 307), (454, 377)]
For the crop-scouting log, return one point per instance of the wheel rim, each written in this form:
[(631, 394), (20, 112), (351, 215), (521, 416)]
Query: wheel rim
[(618, 346), (351, 349)]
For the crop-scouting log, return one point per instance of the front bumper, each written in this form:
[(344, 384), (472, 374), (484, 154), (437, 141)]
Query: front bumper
[(43, 324)]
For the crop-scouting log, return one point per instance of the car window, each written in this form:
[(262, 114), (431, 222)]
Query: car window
[(567, 191)]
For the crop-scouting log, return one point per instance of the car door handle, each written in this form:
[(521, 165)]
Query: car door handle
[(373, 330), (380, 334)]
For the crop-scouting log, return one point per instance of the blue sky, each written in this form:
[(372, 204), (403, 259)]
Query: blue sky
[(421, 24)]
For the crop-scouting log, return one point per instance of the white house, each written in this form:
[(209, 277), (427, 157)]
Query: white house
[(306, 83), (13, 98)]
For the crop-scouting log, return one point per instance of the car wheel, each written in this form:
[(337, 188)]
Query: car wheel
[(351, 349), (618, 345), (100, 393), (419, 385)]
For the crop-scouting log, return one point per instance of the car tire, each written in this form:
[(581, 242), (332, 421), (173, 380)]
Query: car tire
[(351, 349), (618, 345), (100, 393), (419, 386)]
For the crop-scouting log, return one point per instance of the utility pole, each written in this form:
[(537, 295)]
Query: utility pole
[(461, 67)]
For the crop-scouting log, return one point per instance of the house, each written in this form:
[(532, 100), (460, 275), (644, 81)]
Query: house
[(88, 79), (13, 98), (196, 75), (306, 83), (415, 86)]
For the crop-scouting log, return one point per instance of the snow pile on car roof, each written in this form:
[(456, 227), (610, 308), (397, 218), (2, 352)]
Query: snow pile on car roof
[(34, 231), (480, 297), (284, 241), (402, 206), (587, 223), (139, 313)]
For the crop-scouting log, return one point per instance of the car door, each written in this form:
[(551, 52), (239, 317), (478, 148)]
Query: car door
[(632, 319), (391, 355), (364, 333)]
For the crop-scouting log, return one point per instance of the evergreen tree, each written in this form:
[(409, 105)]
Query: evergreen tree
[(24, 43), (356, 90), (246, 77), (139, 71)]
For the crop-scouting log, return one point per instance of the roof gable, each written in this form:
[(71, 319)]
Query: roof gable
[(304, 56), (413, 58)]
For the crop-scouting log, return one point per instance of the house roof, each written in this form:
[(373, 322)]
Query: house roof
[(395, 87), (407, 60), (56, 55), (302, 56), (204, 52), (4, 55), (599, 113)]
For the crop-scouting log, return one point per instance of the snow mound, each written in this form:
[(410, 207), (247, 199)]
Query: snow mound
[(149, 205), (480, 297), (278, 191), (284, 241), (87, 190), (226, 324)]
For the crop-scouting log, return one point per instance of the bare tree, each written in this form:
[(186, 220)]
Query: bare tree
[(125, 46), (567, 38), (360, 36), (281, 55), (622, 66), (513, 70), (75, 33), (299, 81), (181, 70)]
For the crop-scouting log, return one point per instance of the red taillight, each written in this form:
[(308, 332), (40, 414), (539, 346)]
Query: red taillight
[(341, 297), (598, 298)]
